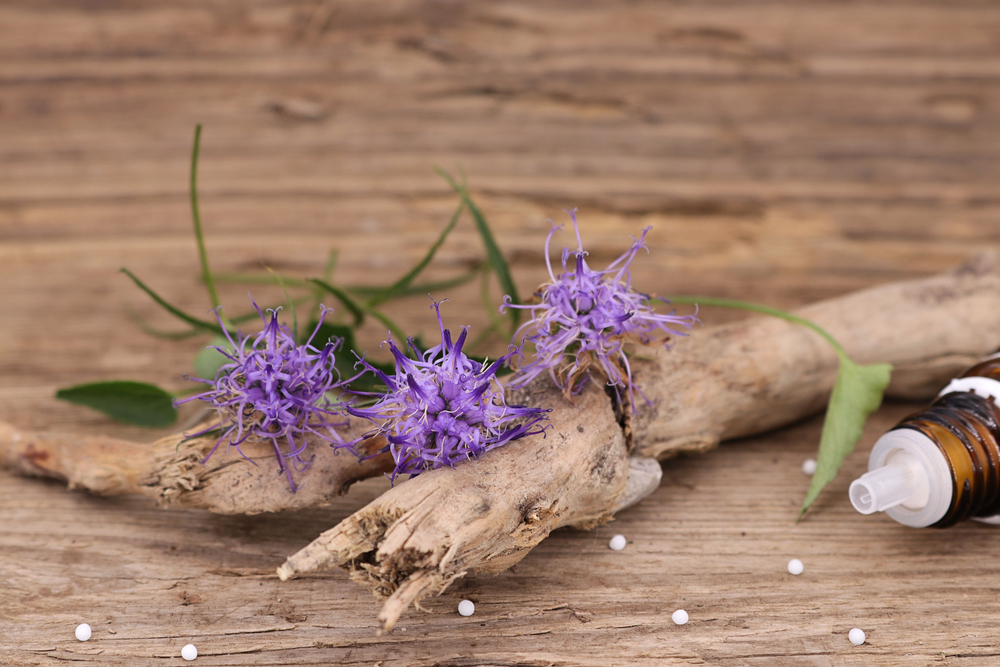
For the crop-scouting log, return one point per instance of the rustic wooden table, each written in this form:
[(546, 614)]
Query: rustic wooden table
[(782, 152)]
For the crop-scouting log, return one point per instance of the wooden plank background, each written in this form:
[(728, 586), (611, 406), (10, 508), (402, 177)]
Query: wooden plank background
[(782, 151)]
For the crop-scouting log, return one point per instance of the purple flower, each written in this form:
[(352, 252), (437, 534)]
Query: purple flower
[(274, 389), (443, 407), (583, 318)]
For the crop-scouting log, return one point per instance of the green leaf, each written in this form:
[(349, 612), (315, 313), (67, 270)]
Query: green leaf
[(493, 254), (173, 310), (135, 403), (856, 394), (208, 362), (400, 286)]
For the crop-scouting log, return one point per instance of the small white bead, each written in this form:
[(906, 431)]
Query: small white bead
[(809, 466), (189, 652), (795, 566), (82, 632), (618, 542), (680, 617), (857, 636), (466, 608)]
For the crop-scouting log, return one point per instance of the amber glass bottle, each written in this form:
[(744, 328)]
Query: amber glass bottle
[(941, 465)]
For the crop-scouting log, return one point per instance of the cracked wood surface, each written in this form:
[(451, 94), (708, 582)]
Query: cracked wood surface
[(784, 153)]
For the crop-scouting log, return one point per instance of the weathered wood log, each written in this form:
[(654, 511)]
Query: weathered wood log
[(751, 376), (172, 471), (486, 515), (725, 381)]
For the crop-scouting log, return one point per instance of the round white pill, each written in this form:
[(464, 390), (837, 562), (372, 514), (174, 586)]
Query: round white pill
[(618, 542), (466, 608), (189, 652), (83, 632), (680, 617), (809, 466), (857, 636), (795, 566)]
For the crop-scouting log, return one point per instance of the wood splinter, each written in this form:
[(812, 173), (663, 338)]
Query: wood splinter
[(723, 382)]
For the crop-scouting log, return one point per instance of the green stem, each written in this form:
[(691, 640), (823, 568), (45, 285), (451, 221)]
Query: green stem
[(206, 273), (745, 305)]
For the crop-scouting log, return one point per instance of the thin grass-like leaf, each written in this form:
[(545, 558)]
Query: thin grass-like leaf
[(421, 289), (389, 324), (398, 287), (206, 273), (203, 325), (493, 254), (155, 331), (356, 309)]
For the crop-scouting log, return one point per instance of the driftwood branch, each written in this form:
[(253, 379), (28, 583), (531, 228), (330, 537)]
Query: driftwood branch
[(723, 382), (755, 375), (172, 471), (485, 515)]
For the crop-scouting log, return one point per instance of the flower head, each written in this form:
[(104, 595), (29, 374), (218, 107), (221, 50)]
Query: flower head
[(274, 389), (582, 320), (443, 407)]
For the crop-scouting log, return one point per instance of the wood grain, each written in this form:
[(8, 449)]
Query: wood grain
[(783, 152)]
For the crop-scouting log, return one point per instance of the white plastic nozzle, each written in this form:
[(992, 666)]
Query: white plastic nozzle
[(885, 487), (908, 478)]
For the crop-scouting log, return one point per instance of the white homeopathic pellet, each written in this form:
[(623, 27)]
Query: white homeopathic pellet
[(680, 617), (466, 608), (189, 652), (795, 566), (857, 636), (82, 632), (809, 466), (618, 542)]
